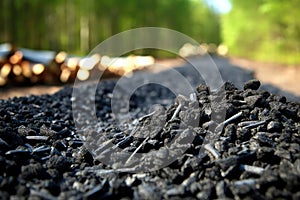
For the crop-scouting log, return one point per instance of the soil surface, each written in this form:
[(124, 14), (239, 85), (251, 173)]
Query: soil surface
[(278, 79), (286, 77)]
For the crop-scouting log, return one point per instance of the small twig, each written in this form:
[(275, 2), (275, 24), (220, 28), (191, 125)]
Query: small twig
[(176, 112), (255, 124), (37, 137), (46, 157), (29, 147), (253, 169), (220, 126), (232, 118), (245, 182), (41, 149), (108, 171), (146, 116), (246, 123), (135, 151), (103, 145), (122, 142), (212, 150)]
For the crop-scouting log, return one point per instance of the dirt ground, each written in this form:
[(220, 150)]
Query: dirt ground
[(282, 76), (285, 77)]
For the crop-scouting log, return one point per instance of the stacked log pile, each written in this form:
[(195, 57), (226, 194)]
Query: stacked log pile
[(20, 66)]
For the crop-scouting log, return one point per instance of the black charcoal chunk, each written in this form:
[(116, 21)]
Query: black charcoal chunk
[(253, 84), (274, 126)]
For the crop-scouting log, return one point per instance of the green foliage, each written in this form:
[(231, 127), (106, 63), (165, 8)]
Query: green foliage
[(77, 26), (263, 30)]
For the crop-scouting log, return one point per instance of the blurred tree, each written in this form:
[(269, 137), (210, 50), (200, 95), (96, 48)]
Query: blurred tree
[(77, 26), (263, 30)]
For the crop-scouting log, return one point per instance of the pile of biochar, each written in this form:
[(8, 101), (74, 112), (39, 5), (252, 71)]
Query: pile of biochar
[(245, 145)]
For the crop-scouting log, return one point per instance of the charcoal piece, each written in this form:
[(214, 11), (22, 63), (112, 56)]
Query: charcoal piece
[(9, 184), (24, 131), (243, 134), (242, 191), (290, 112), (180, 99), (120, 189), (225, 163), (195, 187), (2, 164), (125, 142), (132, 181), (147, 191), (97, 192), (296, 195), (75, 143), (41, 194), (3, 145), (162, 153), (287, 174), (175, 192), (185, 137), (85, 155), (203, 89), (207, 191), (18, 155), (232, 172), (229, 86), (222, 190), (60, 145), (283, 154), (230, 132), (263, 140), (60, 163), (56, 127), (210, 125), (274, 126), (11, 138), (47, 132), (34, 171), (253, 84), (22, 190), (274, 193), (255, 100), (52, 187), (267, 155)]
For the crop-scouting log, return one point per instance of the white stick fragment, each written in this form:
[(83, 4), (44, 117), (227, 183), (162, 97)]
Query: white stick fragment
[(212, 150), (37, 137), (176, 111), (193, 97), (246, 123), (232, 118), (253, 169), (258, 123), (220, 126), (108, 171), (145, 116), (245, 182), (135, 151)]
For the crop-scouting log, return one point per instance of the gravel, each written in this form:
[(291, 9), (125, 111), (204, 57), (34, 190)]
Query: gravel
[(253, 153)]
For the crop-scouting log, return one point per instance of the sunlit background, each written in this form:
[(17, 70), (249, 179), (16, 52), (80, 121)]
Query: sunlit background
[(64, 31)]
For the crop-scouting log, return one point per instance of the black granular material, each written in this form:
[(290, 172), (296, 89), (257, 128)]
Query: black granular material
[(253, 152)]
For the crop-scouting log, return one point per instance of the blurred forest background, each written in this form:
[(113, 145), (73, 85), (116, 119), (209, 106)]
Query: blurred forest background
[(265, 30)]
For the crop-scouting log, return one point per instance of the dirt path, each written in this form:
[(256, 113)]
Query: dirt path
[(283, 76)]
